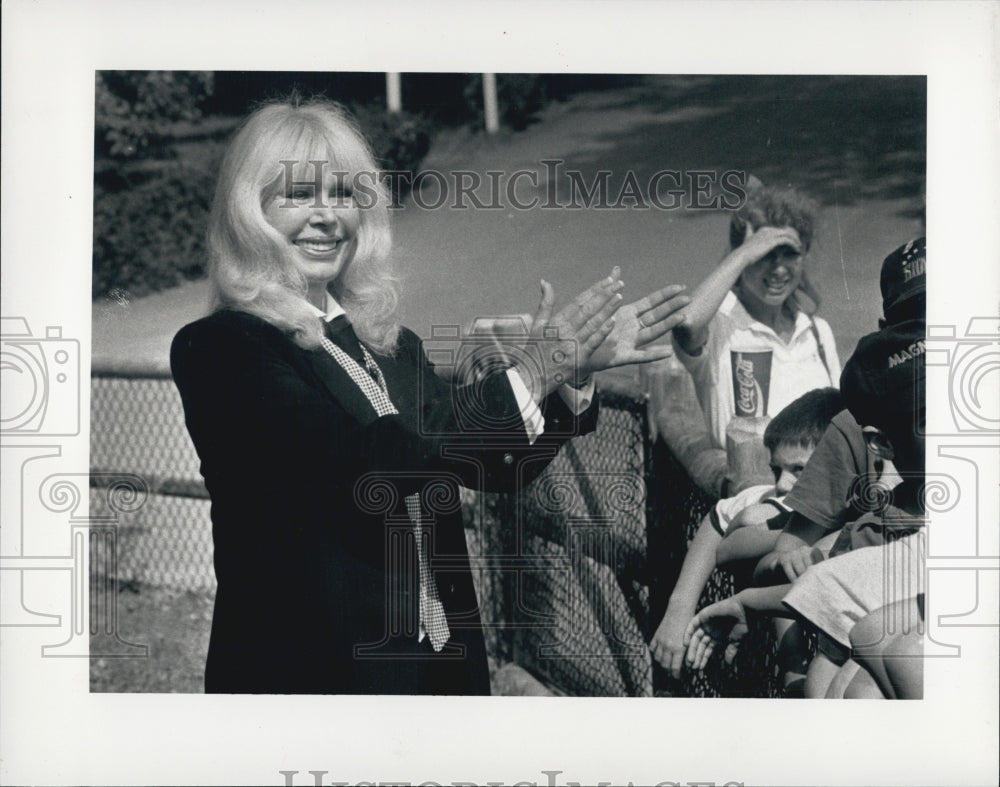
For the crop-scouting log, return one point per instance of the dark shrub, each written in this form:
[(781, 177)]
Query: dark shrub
[(134, 109), (400, 141), (150, 235)]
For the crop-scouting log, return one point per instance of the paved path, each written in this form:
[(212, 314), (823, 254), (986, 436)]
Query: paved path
[(856, 145)]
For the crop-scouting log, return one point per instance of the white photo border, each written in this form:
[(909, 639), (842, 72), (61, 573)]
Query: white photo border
[(54, 731)]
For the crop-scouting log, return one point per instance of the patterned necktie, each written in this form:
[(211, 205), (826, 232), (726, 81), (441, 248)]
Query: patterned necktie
[(372, 383)]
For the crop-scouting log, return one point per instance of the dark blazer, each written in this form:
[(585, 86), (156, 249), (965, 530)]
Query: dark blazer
[(317, 588)]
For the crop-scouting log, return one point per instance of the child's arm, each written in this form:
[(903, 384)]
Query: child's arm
[(752, 534), (744, 543), (707, 297), (667, 644), (790, 556)]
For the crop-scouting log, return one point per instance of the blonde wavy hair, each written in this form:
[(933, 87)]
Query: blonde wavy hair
[(250, 263)]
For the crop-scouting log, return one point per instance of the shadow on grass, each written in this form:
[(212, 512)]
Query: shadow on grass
[(844, 140)]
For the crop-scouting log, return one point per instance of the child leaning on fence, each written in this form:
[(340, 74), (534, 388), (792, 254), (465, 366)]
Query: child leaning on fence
[(855, 600), (746, 525)]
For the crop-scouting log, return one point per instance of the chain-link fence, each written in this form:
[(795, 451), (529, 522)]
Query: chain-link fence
[(588, 555), (137, 428), (679, 507), (570, 592), (573, 572)]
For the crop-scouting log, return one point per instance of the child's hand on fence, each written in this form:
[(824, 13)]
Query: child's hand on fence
[(667, 644), (780, 568), (724, 622)]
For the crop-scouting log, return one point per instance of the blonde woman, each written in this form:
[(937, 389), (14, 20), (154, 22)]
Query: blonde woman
[(332, 451)]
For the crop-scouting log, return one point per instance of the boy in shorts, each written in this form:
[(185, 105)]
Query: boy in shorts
[(883, 387), (754, 518)]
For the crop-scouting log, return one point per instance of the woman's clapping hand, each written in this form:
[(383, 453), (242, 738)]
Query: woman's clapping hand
[(638, 325), (596, 331), (565, 341)]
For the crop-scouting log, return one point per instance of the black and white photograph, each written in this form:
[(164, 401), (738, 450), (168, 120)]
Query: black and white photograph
[(575, 545), (482, 412)]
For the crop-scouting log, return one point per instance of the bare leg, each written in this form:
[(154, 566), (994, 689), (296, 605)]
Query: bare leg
[(868, 639), (905, 666), (821, 673), (842, 679), (863, 686), (888, 643)]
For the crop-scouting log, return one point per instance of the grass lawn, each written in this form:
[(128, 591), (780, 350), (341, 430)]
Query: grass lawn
[(174, 625)]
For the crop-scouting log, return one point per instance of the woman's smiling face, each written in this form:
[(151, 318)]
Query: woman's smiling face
[(320, 225), (772, 279)]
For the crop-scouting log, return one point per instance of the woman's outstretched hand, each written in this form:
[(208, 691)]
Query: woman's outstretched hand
[(722, 622), (565, 341), (638, 325)]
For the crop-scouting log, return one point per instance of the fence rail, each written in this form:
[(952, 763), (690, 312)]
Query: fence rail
[(573, 572)]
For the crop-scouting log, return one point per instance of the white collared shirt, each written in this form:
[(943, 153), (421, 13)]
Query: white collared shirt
[(796, 366)]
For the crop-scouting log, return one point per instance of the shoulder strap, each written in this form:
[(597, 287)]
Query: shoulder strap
[(820, 349)]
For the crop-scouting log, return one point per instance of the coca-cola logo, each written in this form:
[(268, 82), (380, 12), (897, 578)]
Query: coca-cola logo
[(749, 390)]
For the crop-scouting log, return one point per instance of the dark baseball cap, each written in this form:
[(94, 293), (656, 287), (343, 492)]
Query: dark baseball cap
[(903, 282), (883, 381)]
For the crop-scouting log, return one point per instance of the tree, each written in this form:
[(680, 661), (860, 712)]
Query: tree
[(135, 109)]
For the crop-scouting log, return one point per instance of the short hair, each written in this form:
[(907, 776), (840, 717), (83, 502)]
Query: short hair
[(249, 262), (770, 206), (803, 421)]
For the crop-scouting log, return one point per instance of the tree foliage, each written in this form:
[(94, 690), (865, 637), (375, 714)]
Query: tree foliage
[(135, 109)]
